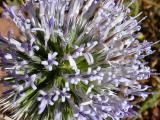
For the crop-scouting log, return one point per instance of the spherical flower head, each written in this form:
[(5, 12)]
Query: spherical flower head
[(79, 60)]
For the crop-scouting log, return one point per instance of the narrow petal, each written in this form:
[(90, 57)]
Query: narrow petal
[(89, 58), (54, 54), (45, 63), (49, 67), (42, 106), (42, 92), (72, 63), (55, 63), (33, 86), (63, 98), (50, 56)]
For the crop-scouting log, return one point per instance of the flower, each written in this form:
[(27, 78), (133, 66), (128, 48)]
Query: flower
[(45, 100), (48, 64), (80, 60)]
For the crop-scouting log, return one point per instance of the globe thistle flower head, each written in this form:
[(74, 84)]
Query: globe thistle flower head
[(79, 59)]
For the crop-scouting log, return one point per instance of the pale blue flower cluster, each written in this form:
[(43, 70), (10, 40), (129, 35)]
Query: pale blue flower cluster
[(79, 53)]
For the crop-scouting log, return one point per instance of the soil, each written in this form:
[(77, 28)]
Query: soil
[(6, 25)]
